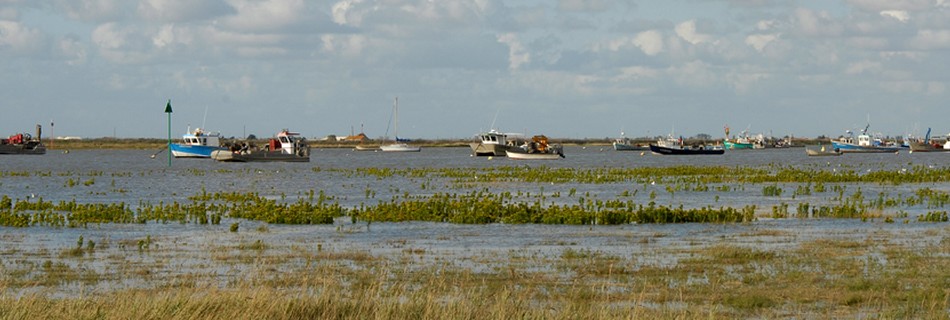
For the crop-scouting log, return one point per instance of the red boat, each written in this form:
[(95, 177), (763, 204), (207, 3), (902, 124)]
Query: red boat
[(23, 143)]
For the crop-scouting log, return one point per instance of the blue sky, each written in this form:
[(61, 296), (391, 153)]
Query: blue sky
[(569, 68)]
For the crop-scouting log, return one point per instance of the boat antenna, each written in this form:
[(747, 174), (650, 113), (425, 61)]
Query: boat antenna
[(494, 119), (205, 117)]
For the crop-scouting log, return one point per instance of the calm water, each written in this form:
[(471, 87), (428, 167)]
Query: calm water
[(130, 176)]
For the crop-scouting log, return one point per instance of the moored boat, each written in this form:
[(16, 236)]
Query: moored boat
[(864, 143), (23, 143), (286, 147), (400, 145), (624, 144), (821, 152), (686, 150), (740, 142), (928, 145), (536, 149), (491, 143), (670, 146), (197, 144)]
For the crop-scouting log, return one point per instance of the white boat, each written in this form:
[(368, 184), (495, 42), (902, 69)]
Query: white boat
[(400, 145), (822, 152), (624, 144), (491, 143), (863, 144), (286, 147), (537, 149), (197, 144)]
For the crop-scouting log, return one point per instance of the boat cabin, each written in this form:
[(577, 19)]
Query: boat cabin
[(287, 142), (493, 137), (201, 138)]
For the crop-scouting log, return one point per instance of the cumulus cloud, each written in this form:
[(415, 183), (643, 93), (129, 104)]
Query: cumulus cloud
[(94, 10), (881, 5), (865, 66), (650, 42), (264, 16), (345, 13), (19, 39), (931, 39), (687, 31), (900, 15), (517, 54), (759, 41), (583, 5), (183, 10)]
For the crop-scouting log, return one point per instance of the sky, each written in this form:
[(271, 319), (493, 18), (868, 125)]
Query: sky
[(563, 68)]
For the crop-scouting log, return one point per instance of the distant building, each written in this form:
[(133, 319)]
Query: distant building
[(355, 138)]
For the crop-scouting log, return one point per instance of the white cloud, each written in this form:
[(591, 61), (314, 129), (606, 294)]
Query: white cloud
[(759, 41), (182, 10), (73, 50), (583, 5), (343, 45), (881, 5), (687, 31), (931, 39), (812, 23), (19, 39), (343, 13), (693, 74), (93, 10), (517, 54), (268, 15), (900, 15), (650, 42), (865, 66)]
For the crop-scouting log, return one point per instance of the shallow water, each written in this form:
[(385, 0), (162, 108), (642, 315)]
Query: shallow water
[(130, 176)]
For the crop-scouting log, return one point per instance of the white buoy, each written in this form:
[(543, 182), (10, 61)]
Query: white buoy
[(490, 157)]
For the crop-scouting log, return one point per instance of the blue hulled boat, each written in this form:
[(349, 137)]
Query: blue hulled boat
[(197, 144), (863, 144)]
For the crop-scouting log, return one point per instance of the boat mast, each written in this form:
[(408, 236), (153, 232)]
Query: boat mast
[(396, 118)]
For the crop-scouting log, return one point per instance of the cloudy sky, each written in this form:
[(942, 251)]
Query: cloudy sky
[(568, 68)]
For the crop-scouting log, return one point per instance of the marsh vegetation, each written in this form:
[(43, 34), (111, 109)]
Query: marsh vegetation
[(484, 241)]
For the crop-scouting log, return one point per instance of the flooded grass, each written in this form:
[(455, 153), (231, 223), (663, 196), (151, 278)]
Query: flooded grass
[(682, 241)]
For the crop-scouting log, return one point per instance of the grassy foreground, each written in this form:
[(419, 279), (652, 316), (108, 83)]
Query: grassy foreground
[(881, 276)]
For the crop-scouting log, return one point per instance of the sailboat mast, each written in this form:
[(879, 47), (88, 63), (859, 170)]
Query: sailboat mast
[(396, 118)]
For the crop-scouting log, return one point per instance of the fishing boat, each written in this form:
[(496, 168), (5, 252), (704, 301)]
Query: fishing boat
[(670, 146), (864, 143), (742, 141), (286, 147), (399, 145), (23, 143), (197, 144), (822, 152), (928, 145), (536, 149), (624, 144), (491, 143)]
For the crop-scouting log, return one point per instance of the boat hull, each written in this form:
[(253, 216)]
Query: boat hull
[(853, 148), (35, 149), (366, 148), (399, 147), (822, 153), (736, 145), (193, 151), (258, 156), (924, 147), (679, 151), (627, 147), (484, 149), (515, 155)]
